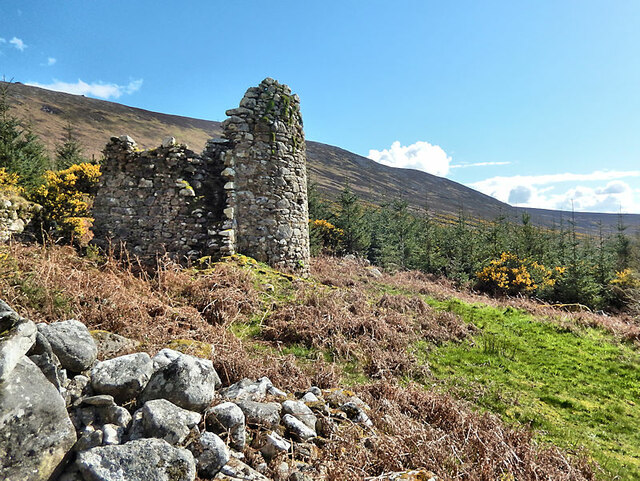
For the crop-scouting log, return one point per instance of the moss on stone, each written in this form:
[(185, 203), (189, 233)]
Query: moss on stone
[(190, 346)]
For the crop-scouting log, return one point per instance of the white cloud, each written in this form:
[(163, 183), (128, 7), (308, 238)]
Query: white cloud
[(96, 89), (51, 61), (478, 164), (420, 155), (545, 192), (18, 43)]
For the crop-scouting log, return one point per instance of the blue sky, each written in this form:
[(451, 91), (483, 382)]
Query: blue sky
[(536, 103)]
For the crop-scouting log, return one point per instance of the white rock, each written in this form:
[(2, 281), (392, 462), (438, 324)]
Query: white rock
[(168, 141)]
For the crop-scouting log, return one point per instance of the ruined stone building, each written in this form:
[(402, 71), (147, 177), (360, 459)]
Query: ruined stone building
[(246, 193)]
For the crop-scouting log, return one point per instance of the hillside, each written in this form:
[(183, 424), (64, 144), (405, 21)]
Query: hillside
[(459, 385), (330, 167)]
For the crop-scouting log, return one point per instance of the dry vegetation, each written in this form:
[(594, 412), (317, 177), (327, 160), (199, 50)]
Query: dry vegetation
[(350, 321)]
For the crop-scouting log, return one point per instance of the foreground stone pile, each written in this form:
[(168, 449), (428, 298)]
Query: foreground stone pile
[(64, 415)]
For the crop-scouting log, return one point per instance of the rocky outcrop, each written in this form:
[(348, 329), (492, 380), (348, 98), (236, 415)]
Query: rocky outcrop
[(138, 418)]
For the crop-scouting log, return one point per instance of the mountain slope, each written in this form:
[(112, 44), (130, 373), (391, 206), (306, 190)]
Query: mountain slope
[(95, 121)]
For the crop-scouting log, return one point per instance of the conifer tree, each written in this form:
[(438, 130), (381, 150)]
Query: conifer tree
[(21, 151), (350, 217), (69, 151)]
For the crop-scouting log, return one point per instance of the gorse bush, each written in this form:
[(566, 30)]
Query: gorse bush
[(511, 275), (9, 183), (66, 198), (325, 237)]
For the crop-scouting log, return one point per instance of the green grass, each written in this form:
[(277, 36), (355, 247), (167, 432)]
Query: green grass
[(578, 387)]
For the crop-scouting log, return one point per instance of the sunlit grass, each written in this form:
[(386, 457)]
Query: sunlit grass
[(575, 388)]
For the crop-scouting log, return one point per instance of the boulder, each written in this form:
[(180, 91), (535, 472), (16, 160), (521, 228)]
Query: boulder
[(163, 419), (261, 414), (186, 381), (35, 430), (110, 344), (228, 417), (122, 377), (72, 343), (17, 335), (140, 460), (214, 455)]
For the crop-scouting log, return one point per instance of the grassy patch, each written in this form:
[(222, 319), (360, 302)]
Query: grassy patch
[(574, 388)]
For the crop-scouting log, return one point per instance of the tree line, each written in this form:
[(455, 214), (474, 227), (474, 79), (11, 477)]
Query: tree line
[(556, 264)]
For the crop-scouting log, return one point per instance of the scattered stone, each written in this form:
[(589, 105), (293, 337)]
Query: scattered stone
[(301, 411), (261, 414), (123, 377), (236, 470), (274, 444), (17, 335), (184, 380), (356, 414), (228, 417), (214, 455), (72, 343), (111, 434), (99, 400), (35, 429), (310, 397), (163, 419), (297, 428), (90, 438), (247, 390), (168, 142), (140, 460)]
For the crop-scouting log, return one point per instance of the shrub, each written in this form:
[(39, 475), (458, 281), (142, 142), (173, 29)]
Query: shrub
[(511, 275), (325, 237), (9, 183), (66, 198)]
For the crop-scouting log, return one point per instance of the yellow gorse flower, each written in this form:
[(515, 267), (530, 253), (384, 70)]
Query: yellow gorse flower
[(513, 275)]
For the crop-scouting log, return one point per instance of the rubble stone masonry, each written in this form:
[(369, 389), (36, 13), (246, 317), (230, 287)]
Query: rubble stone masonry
[(246, 193)]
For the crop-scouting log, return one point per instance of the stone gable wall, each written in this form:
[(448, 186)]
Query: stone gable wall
[(246, 193)]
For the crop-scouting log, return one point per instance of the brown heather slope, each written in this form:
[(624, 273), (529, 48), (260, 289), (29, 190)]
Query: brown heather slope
[(262, 322), (330, 167)]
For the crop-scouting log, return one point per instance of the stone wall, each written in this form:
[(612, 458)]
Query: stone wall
[(247, 192), (168, 199), (268, 162), (15, 214)]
